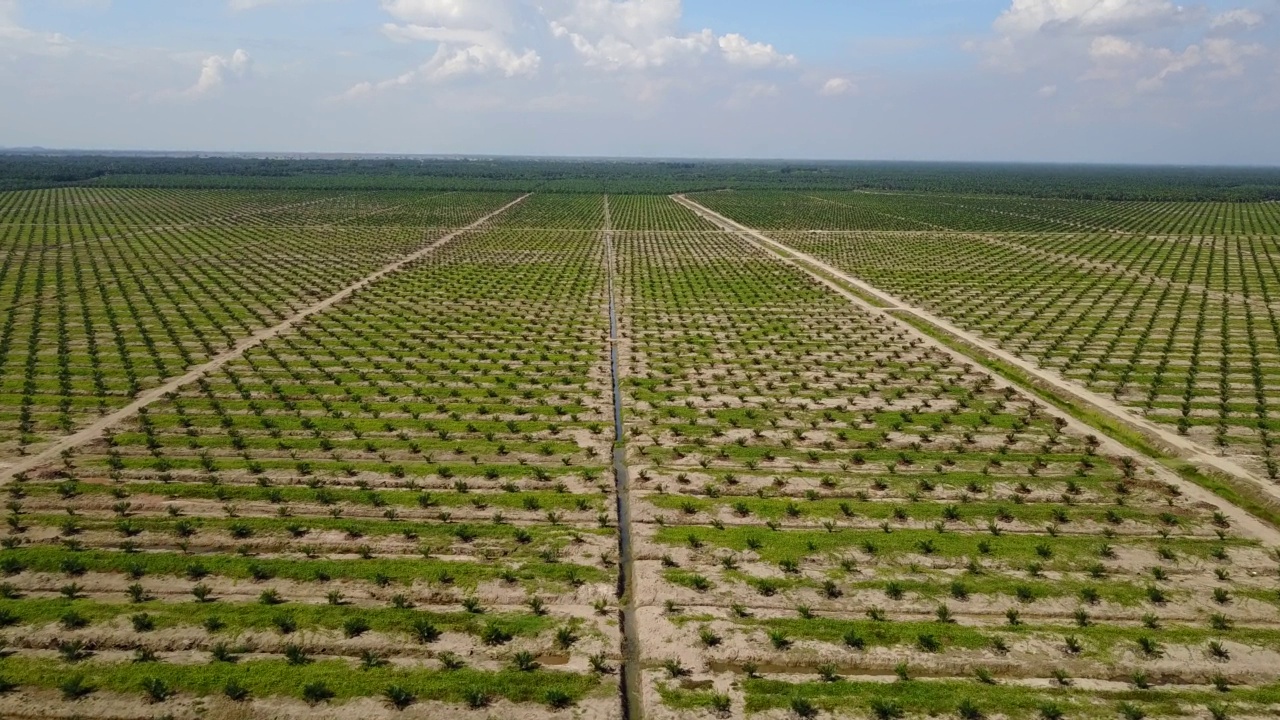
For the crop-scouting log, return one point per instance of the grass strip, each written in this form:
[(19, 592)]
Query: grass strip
[(942, 698), (236, 617), (393, 570), (277, 678), (1050, 552)]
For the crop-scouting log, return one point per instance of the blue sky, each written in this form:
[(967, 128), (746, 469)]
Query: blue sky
[(1022, 80)]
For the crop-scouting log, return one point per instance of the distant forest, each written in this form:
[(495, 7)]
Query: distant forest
[(1094, 182)]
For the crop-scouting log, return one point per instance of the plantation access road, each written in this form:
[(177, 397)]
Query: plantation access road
[(1184, 448), (95, 430)]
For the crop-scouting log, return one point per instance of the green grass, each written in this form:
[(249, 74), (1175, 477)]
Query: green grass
[(425, 532), (796, 544), (1096, 638), (685, 578), (941, 698), (1120, 593), (265, 678), (241, 616), (776, 509), (397, 570)]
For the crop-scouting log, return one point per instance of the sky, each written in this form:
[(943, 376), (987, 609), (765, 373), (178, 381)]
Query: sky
[(1099, 81)]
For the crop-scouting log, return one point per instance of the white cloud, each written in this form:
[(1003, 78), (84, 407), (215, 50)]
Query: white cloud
[(635, 21), (1047, 91), (1109, 43), (480, 60), (452, 62), (643, 34), (1124, 60), (1025, 17), (471, 38), (469, 14), (506, 38), (217, 69), (1171, 64), (614, 53), (1229, 55), (14, 35), (632, 34), (1110, 47), (1239, 18), (740, 51), (836, 86)]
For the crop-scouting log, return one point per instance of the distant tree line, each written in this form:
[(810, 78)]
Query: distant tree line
[(1093, 182)]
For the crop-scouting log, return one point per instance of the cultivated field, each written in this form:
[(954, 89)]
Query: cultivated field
[(106, 294), (331, 454), (844, 517), (1168, 309)]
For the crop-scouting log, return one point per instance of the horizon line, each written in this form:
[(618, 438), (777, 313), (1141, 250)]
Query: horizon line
[(37, 151)]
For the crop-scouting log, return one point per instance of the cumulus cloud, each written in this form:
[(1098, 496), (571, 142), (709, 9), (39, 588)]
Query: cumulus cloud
[(612, 52), (1150, 67), (836, 86), (640, 34), (506, 38), (216, 70), (472, 37), (1026, 17), (448, 63), (740, 51), (1240, 18), (1118, 42), (479, 59), (475, 14), (1228, 56), (1110, 47), (634, 22), (1171, 63)]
